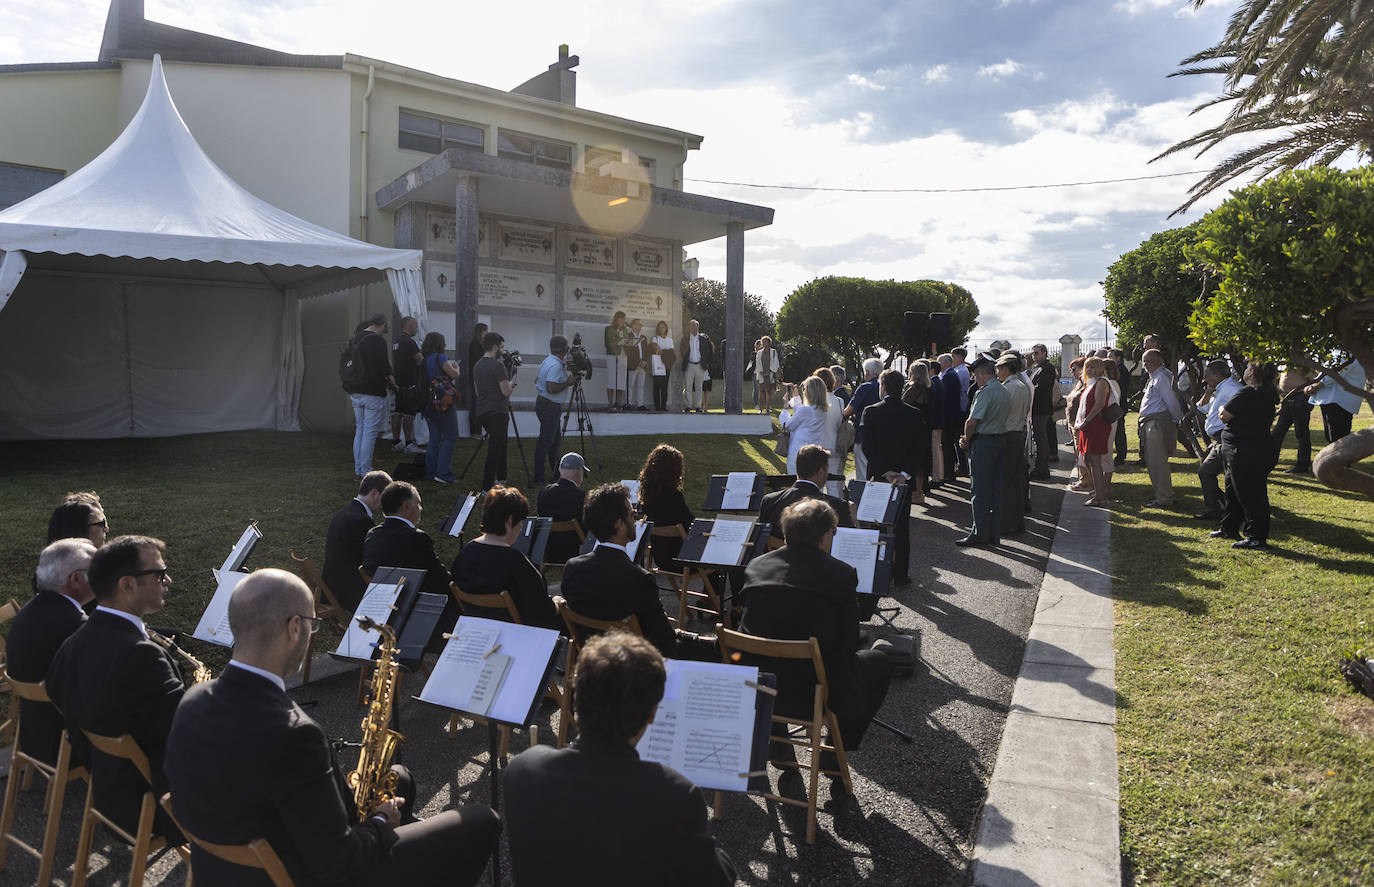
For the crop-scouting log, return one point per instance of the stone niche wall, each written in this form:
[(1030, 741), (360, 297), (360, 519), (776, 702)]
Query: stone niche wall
[(537, 279)]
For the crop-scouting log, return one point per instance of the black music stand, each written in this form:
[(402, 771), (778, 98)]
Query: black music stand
[(715, 494), (639, 548), (695, 546), (855, 493), (458, 516), (533, 541)]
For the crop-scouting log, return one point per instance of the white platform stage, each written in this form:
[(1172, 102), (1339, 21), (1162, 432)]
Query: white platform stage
[(661, 424)]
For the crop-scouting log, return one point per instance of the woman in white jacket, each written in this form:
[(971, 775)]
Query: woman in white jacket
[(805, 416)]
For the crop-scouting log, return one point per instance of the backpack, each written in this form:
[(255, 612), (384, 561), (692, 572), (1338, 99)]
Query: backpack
[(352, 367), (443, 394)]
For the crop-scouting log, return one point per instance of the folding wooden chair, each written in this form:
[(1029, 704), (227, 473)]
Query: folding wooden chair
[(774, 543), (326, 605), (11, 722), (580, 628), (680, 580), (561, 527), (257, 853), (58, 777), (809, 729), (144, 841)]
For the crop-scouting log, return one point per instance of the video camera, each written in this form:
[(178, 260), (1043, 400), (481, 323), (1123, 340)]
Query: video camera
[(578, 362), (512, 360)]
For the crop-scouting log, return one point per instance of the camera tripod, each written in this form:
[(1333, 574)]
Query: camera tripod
[(578, 401), (519, 445)]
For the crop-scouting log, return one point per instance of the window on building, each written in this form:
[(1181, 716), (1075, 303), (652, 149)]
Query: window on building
[(541, 152), (18, 183), (593, 159), (432, 135)]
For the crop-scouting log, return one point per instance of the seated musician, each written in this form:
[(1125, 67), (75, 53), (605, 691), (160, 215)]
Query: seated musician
[(343, 545), (399, 542), (562, 500), (632, 822), (800, 591), (662, 502), (245, 762), (79, 516), (111, 679), (489, 565), (47, 620), (605, 583), (813, 467)]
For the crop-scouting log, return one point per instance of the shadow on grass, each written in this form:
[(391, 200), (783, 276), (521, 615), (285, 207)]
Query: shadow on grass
[(1149, 563)]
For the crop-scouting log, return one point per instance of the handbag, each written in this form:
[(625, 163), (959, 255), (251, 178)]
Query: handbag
[(844, 437), (783, 442), (443, 394), (1112, 412)]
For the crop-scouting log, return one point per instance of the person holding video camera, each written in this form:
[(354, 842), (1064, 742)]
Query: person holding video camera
[(552, 381), (493, 384)]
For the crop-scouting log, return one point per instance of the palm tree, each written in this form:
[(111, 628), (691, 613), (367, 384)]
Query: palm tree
[(1299, 71)]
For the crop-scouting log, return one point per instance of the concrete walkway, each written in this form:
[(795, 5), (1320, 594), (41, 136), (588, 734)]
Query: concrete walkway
[(1052, 816)]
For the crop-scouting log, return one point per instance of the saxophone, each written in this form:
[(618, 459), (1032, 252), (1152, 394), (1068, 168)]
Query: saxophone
[(199, 673), (373, 782)]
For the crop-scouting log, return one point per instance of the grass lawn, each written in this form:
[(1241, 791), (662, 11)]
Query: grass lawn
[(1245, 758), (197, 493)]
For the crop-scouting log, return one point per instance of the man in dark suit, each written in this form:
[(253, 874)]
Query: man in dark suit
[(563, 500), (398, 540), (893, 446), (636, 822), (40, 628), (343, 545), (245, 762), (797, 592), (813, 467), (111, 679), (606, 583)]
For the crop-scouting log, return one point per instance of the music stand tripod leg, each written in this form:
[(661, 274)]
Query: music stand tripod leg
[(493, 756), (904, 736)]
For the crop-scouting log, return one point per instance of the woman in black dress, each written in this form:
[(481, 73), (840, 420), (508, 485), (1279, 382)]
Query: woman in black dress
[(489, 565), (661, 500), (1248, 452)]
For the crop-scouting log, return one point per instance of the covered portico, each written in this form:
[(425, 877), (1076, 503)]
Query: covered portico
[(550, 251)]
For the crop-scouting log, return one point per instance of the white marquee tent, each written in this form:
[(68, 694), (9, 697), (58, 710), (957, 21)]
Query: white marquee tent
[(148, 294)]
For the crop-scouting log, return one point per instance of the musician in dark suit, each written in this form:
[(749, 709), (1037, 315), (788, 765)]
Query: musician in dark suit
[(813, 467), (343, 546), (245, 762), (797, 592), (895, 444), (111, 679), (54, 613), (606, 583), (398, 540), (562, 500), (634, 822)]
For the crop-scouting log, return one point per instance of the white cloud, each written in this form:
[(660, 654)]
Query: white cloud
[(1181, 8), (1007, 68), (863, 82), (936, 74)]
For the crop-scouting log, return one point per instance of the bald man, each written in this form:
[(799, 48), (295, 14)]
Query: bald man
[(245, 762)]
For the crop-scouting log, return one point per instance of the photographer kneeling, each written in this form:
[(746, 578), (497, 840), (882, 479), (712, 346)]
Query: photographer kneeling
[(493, 385), (552, 381)]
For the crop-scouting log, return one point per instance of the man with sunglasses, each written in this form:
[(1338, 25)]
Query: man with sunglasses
[(111, 679), (245, 762)]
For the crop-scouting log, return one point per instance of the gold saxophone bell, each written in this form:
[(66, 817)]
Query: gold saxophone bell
[(199, 673)]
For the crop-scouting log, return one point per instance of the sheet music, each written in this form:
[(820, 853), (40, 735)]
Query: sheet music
[(461, 520), (378, 602), (835, 488), (739, 488), (502, 685), (726, 542), (704, 726), (633, 486), (873, 504), (859, 549), (214, 622), (241, 549)]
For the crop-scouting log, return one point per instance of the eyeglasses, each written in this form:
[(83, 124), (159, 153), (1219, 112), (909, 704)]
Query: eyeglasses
[(313, 621), (103, 522), (160, 573)]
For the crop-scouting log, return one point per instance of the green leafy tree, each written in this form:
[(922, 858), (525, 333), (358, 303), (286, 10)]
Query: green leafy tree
[(1152, 290), (1295, 270), (1297, 73), (704, 301), (852, 317)]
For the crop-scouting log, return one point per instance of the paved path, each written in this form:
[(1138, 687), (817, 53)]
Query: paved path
[(1052, 815), (917, 805)]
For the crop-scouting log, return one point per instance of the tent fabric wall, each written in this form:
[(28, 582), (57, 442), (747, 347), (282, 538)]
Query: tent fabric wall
[(84, 357)]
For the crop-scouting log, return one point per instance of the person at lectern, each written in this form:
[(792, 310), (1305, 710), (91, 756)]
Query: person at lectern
[(616, 366)]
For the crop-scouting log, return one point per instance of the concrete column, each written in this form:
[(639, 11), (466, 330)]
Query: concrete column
[(465, 311), (1068, 352), (734, 317)]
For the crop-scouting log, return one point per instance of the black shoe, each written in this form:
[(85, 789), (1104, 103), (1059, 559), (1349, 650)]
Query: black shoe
[(1250, 544), (1224, 534), (975, 541), (1207, 515)]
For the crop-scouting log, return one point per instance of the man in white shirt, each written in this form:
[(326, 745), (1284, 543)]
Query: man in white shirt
[(697, 351), (1160, 413), (1220, 388)]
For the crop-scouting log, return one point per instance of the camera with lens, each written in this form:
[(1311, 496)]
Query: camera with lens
[(579, 364), (512, 360)]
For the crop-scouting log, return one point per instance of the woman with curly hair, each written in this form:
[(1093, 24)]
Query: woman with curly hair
[(661, 500)]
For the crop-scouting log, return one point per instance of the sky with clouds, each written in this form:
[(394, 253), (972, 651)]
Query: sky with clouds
[(921, 94)]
